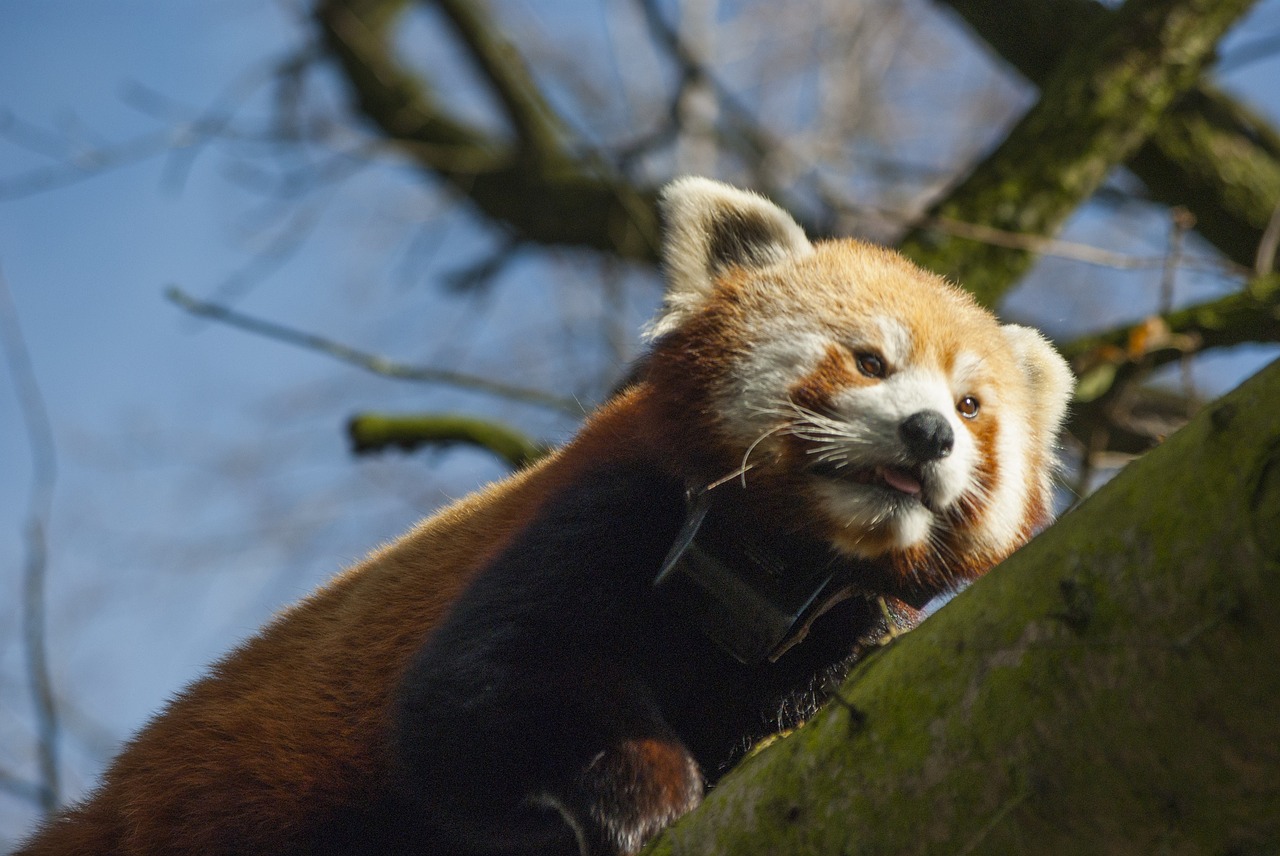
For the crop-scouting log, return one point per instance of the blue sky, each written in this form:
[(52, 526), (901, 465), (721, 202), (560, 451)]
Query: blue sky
[(204, 481)]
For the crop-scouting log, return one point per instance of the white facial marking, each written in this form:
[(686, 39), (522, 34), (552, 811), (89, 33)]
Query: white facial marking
[(965, 371), (859, 431), (895, 340), (1006, 505), (864, 435), (758, 398), (857, 508)]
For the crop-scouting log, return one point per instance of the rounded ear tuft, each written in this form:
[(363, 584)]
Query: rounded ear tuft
[(709, 228), (1049, 379)]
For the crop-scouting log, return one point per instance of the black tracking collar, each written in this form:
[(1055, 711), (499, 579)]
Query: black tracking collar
[(753, 600)]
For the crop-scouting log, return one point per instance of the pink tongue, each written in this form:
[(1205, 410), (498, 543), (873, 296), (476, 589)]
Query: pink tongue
[(900, 480)]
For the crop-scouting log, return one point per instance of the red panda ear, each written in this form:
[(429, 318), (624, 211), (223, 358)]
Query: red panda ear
[(709, 228), (1049, 381)]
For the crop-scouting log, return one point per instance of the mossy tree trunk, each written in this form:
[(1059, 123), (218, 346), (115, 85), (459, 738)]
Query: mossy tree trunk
[(1112, 688)]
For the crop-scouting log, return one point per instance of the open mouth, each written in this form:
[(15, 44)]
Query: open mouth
[(901, 480)]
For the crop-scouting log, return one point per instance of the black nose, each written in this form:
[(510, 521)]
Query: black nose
[(927, 435)]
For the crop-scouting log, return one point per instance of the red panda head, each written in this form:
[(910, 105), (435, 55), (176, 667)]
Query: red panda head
[(865, 400)]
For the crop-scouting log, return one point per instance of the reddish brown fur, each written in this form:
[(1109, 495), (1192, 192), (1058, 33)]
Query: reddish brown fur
[(294, 726), (835, 373)]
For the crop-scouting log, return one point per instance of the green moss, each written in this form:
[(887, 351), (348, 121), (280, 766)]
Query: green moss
[(374, 432)]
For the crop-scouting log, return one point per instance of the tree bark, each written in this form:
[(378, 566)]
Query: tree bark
[(1102, 101), (1111, 688), (1109, 363), (1247, 316), (375, 432), (529, 184), (1208, 152)]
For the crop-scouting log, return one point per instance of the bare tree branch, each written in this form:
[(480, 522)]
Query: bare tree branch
[(89, 162), (1069, 250), (507, 72), (370, 362), (563, 198), (22, 789), (374, 432), (742, 133), (541, 131), (35, 573), (1115, 411), (1248, 316)]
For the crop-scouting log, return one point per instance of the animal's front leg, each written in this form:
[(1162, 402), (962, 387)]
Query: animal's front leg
[(492, 755), (628, 792)]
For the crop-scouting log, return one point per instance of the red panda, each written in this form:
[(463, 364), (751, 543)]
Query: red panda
[(820, 438)]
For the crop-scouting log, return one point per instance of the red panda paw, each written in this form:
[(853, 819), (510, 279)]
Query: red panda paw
[(631, 792)]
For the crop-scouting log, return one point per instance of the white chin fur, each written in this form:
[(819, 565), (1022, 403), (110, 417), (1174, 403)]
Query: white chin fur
[(866, 508)]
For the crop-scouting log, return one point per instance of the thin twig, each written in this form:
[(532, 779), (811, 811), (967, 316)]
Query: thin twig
[(1070, 250), (216, 118), (92, 162), (1265, 261), (755, 143), (478, 275), (1183, 222), (183, 135), (370, 362), (35, 571), (761, 141), (1045, 246), (536, 122), (20, 788), (279, 250)]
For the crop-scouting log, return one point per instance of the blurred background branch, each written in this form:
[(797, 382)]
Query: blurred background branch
[(376, 432), (46, 790), (369, 362), (1208, 151), (1104, 97)]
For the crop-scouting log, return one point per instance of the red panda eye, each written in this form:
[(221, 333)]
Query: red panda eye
[(968, 407), (871, 365)]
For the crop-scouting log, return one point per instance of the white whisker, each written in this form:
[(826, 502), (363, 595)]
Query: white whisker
[(740, 471)]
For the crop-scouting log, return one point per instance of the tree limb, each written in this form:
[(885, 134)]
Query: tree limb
[(554, 198), (1103, 99), (1113, 411), (1250, 315), (374, 432), (540, 130), (1208, 152), (35, 572)]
